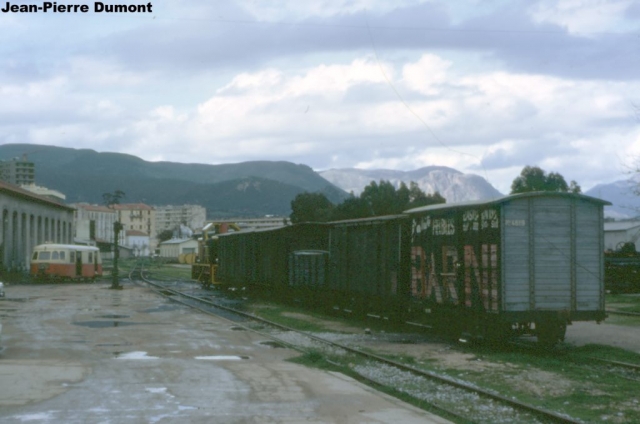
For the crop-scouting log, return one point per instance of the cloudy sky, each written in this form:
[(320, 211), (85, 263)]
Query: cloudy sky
[(483, 86)]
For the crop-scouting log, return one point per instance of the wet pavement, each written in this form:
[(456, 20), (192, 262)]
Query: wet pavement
[(85, 354)]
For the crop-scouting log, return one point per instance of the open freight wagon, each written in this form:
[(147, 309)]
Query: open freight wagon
[(529, 262)]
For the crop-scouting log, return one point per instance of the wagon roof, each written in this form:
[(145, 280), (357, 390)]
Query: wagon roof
[(505, 199), (373, 220), (53, 246), (273, 229)]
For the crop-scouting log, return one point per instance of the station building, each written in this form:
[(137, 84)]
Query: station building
[(29, 219), (175, 247), (620, 232)]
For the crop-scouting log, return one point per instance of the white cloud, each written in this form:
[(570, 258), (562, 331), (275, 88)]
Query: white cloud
[(278, 10), (582, 16), (319, 108), (427, 75)]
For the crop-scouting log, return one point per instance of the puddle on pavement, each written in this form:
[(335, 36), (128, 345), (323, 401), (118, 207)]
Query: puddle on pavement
[(113, 316), (271, 343), (104, 324), (109, 324), (133, 355), (162, 308), (222, 358), (113, 344)]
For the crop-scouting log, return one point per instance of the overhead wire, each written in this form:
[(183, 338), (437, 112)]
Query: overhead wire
[(413, 112)]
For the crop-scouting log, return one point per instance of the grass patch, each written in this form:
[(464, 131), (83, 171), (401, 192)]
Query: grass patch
[(315, 359), (623, 302), (166, 271), (566, 380), (275, 313)]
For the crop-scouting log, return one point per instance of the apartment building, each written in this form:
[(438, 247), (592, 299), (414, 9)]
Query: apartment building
[(170, 217), (139, 217)]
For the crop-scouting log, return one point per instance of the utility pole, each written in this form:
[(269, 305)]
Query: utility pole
[(115, 282), (111, 199)]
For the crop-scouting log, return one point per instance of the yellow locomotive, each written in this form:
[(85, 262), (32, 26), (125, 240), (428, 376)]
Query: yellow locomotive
[(205, 266)]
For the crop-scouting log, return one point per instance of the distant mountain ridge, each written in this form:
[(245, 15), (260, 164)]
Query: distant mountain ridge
[(246, 189), (452, 184), (622, 193)]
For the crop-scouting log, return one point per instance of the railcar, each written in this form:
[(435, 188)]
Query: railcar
[(260, 259), (369, 265), (531, 263), (66, 261)]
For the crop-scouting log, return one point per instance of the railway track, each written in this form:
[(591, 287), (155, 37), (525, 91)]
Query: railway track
[(453, 398)]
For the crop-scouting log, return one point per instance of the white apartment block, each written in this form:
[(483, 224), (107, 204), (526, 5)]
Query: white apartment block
[(93, 223), (170, 217)]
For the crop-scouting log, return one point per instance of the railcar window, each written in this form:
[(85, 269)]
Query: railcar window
[(90, 257), (72, 257), (44, 256), (54, 255), (63, 256), (35, 256)]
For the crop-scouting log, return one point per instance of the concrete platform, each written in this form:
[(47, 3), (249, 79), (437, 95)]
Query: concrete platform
[(87, 354)]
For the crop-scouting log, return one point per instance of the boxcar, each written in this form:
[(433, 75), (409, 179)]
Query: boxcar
[(529, 262), (66, 261), (261, 258), (368, 264)]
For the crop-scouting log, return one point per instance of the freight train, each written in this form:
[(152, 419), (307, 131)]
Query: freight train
[(529, 263)]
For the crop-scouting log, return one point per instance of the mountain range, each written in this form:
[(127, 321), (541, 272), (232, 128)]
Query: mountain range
[(623, 195), (248, 189), (453, 185), (252, 189)]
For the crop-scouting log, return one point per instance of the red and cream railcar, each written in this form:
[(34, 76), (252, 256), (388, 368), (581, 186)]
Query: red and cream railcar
[(66, 261)]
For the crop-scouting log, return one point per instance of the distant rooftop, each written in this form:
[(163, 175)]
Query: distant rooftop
[(133, 206), (17, 191), (621, 225)]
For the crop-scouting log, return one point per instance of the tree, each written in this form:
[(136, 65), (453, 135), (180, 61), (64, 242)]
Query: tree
[(352, 208), (310, 207), (533, 178), (165, 235), (113, 198), (418, 198), (382, 198)]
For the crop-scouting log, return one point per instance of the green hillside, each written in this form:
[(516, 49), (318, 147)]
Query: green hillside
[(247, 189)]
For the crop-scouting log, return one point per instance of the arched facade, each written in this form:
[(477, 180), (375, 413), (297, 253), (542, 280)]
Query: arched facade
[(29, 220)]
